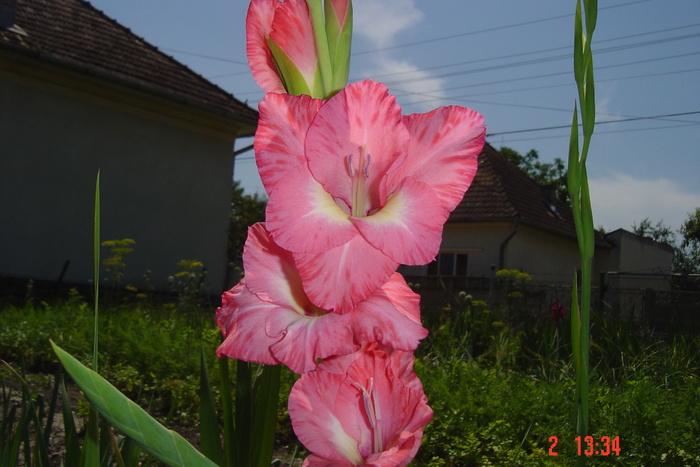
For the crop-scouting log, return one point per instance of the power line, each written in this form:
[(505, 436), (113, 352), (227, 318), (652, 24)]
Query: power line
[(559, 127), (481, 31), (567, 135), (210, 57), (535, 52), (541, 60), (468, 97)]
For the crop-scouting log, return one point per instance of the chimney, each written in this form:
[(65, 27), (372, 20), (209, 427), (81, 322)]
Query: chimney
[(7, 13)]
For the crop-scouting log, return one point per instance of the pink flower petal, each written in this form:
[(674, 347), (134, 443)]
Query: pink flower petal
[(241, 319), (270, 272), (303, 218), (445, 144), (308, 338), (293, 32), (409, 226), (367, 410), (312, 408), (314, 461), (358, 128), (258, 28), (390, 316), (340, 278), (279, 139)]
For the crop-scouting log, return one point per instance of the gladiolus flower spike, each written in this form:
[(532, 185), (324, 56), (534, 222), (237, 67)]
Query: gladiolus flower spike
[(356, 188)]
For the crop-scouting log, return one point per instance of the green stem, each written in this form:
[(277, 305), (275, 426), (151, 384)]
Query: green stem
[(227, 407)]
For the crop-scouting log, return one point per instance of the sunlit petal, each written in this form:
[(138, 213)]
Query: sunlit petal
[(364, 410), (408, 228), (270, 271), (390, 316), (241, 318), (359, 130), (258, 28), (279, 139), (312, 408), (302, 217), (340, 278), (445, 144), (304, 339)]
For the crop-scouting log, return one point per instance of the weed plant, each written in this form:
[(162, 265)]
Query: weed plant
[(501, 384)]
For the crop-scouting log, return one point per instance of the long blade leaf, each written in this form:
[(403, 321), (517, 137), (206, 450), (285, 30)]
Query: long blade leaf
[(163, 444), (209, 436)]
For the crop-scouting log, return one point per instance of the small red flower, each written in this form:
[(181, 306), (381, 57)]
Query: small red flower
[(558, 311)]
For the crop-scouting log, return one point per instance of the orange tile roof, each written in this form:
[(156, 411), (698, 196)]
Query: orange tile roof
[(500, 191)]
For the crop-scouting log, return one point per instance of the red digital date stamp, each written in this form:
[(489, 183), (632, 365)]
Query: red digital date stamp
[(589, 446)]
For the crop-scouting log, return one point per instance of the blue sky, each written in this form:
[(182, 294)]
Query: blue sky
[(510, 61)]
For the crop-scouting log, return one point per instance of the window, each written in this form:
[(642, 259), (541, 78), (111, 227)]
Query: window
[(449, 264)]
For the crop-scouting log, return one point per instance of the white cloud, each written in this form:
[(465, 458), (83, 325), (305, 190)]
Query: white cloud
[(621, 200), (382, 20), (426, 91)]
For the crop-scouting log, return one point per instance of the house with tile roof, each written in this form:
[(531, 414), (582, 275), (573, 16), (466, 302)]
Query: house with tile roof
[(80, 93), (507, 221)]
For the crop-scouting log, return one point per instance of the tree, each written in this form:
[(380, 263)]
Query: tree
[(246, 210), (686, 256), (659, 232), (689, 251), (546, 174)]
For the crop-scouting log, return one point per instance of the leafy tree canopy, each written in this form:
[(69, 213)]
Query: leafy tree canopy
[(686, 257), (547, 174)]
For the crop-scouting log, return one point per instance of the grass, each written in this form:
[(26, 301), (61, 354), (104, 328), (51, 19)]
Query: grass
[(500, 387)]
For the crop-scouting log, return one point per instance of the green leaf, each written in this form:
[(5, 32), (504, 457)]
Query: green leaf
[(96, 268), (227, 407), (71, 444), (267, 390), (244, 416), (163, 444), (209, 436)]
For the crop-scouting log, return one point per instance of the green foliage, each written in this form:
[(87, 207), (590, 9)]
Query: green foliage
[(499, 387), (149, 353), (551, 175), (246, 210), (188, 282), (500, 404), (131, 419), (686, 253), (115, 264)]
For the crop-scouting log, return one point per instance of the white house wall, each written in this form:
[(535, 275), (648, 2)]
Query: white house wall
[(166, 186), (548, 258), (481, 241)]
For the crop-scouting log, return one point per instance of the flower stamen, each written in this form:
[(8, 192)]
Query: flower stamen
[(359, 176), (371, 403)]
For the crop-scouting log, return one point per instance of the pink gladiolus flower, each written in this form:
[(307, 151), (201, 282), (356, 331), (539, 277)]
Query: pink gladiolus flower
[(356, 188), (367, 408), (280, 39), (268, 319)]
